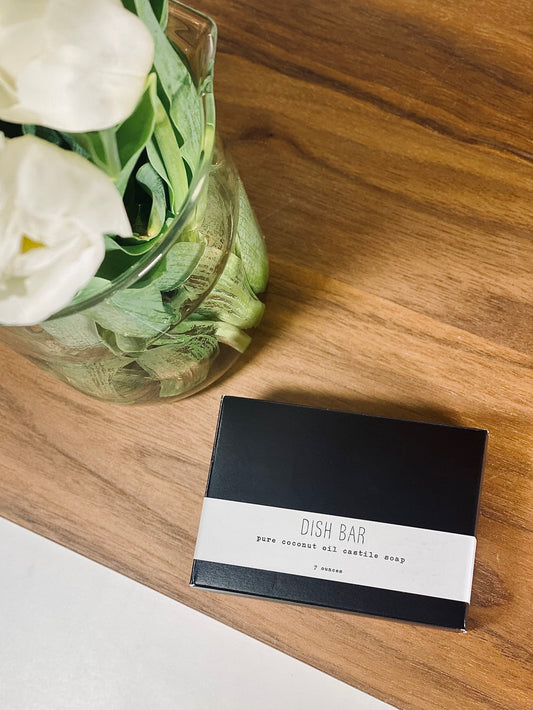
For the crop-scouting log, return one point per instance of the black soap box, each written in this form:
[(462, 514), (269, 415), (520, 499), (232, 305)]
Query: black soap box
[(341, 510)]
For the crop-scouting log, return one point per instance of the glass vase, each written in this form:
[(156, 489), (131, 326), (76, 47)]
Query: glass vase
[(172, 321)]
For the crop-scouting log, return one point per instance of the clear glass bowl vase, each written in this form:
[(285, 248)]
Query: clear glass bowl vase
[(174, 319)]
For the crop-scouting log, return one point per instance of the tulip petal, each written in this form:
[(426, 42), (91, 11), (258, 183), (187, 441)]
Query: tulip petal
[(55, 208), (72, 65)]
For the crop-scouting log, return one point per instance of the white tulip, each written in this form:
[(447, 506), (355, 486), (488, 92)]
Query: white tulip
[(55, 208), (71, 65)]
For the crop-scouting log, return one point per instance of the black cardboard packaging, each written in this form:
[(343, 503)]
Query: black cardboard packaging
[(340, 510)]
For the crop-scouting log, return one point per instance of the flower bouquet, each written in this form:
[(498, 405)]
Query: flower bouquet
[(130, 259)]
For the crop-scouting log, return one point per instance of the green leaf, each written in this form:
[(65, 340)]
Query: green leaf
[(123, 345), (116, 262), (132, 346), (95, 286), (109, 338), (179, 262), (156, 161), (133, 134), (199, 282), (133, 247), (102, 149), (103, 378), (223, 332), (159, 7), (182, 365), (63, 140), (14, 130), (121, 257), (232, 300), (182, 99), (250, 246), (232, 336), (73, 144), (148, 178), (47, 134), (133, 313), (170, 156), (76, 332)]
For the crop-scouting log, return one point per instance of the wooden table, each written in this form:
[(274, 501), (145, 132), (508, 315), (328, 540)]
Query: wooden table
[(387, 149)]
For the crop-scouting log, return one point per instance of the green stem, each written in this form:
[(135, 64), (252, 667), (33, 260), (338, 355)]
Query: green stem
[(102, 149), (112, 159)]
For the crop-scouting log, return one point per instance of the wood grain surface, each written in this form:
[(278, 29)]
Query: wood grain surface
[(387, 148)]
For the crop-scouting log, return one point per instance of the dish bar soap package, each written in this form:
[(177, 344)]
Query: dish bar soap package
[(346, 511)]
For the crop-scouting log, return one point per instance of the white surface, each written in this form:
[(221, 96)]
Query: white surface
[(77, 636), (382, 555)]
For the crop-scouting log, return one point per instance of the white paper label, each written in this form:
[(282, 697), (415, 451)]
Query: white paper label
[(405, 559)]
